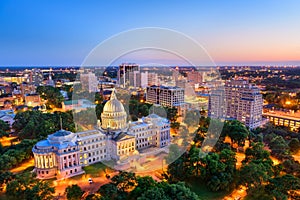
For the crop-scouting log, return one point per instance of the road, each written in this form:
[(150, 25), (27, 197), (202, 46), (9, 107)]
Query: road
[(297, 156), (82, 182), (237, 194), (7, 141), (23, 166)]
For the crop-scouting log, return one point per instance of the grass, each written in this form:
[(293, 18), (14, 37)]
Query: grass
[(95, 170), (203, 192), (29, 169)]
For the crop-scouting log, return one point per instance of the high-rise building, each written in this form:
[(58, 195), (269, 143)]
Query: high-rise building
[(216, 104), (194, 77), (37, 77), (152, 78), (34, 76), (89, 82), (243, 102), (139, 79), (123, 73), (144, 79), (135, 79), (165, 96)]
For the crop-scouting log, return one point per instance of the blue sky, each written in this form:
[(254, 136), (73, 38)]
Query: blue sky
[(53, 32)]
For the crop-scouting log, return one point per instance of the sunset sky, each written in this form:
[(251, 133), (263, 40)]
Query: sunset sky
[(233, 32)]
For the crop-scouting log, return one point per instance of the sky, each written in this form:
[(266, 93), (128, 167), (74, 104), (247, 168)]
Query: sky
[(233, 32)]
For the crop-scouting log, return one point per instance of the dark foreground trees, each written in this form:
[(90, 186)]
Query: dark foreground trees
[(127, 186), (74, 192), (25, 186)]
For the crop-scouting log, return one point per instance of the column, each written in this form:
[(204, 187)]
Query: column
[(77, 158), (53, 159), (39, 160), (62, 166), (50, 161), (67, 159), (45, 161), (42, 161), (35, 160)]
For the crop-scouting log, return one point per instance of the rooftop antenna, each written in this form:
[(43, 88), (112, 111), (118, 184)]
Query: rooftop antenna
[(60, 123)]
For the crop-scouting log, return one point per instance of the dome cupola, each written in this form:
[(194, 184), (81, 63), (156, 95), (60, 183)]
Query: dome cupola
[(114, 115)]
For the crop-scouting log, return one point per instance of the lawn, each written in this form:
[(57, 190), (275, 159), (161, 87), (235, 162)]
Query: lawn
[(97, 169), (203, 192)]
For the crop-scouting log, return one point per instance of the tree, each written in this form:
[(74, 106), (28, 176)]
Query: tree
[(194, 157), (40, 191), (108, 190), (280, 187), (175, 125), (257, 153), (228, 158), (171, 113), (137, 109), (217, 170), (1, 148), (143, 184), (143, 110), (25, 186), (167, 191), (99, 110), (74, 192), (98, 98), (94, 197), (4, 128), (155, 193), (254, 175), (294, 145), (38, 125), (52, 95), (237, 131), (5, 177), (124, 181), (192, 118), (278, 145)]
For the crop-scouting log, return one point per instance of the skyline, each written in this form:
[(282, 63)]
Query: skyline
[(51, 33)]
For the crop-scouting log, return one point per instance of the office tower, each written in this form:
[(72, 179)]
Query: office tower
[(135, 79), (243, 102), (152, 78), (194, 77), (144, 79), (89, 82), (165, 96), (216, 104), (37, 77), (139, 79), (123, 73)]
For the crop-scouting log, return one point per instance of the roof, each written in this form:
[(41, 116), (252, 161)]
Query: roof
[(122, 136), (61, 133), (154, 116), (113, 105), (71, 102)]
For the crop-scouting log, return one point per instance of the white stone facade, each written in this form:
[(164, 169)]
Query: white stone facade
[(64, 153)]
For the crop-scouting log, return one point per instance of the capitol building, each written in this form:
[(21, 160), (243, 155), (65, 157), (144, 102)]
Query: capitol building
[(63, 153)]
